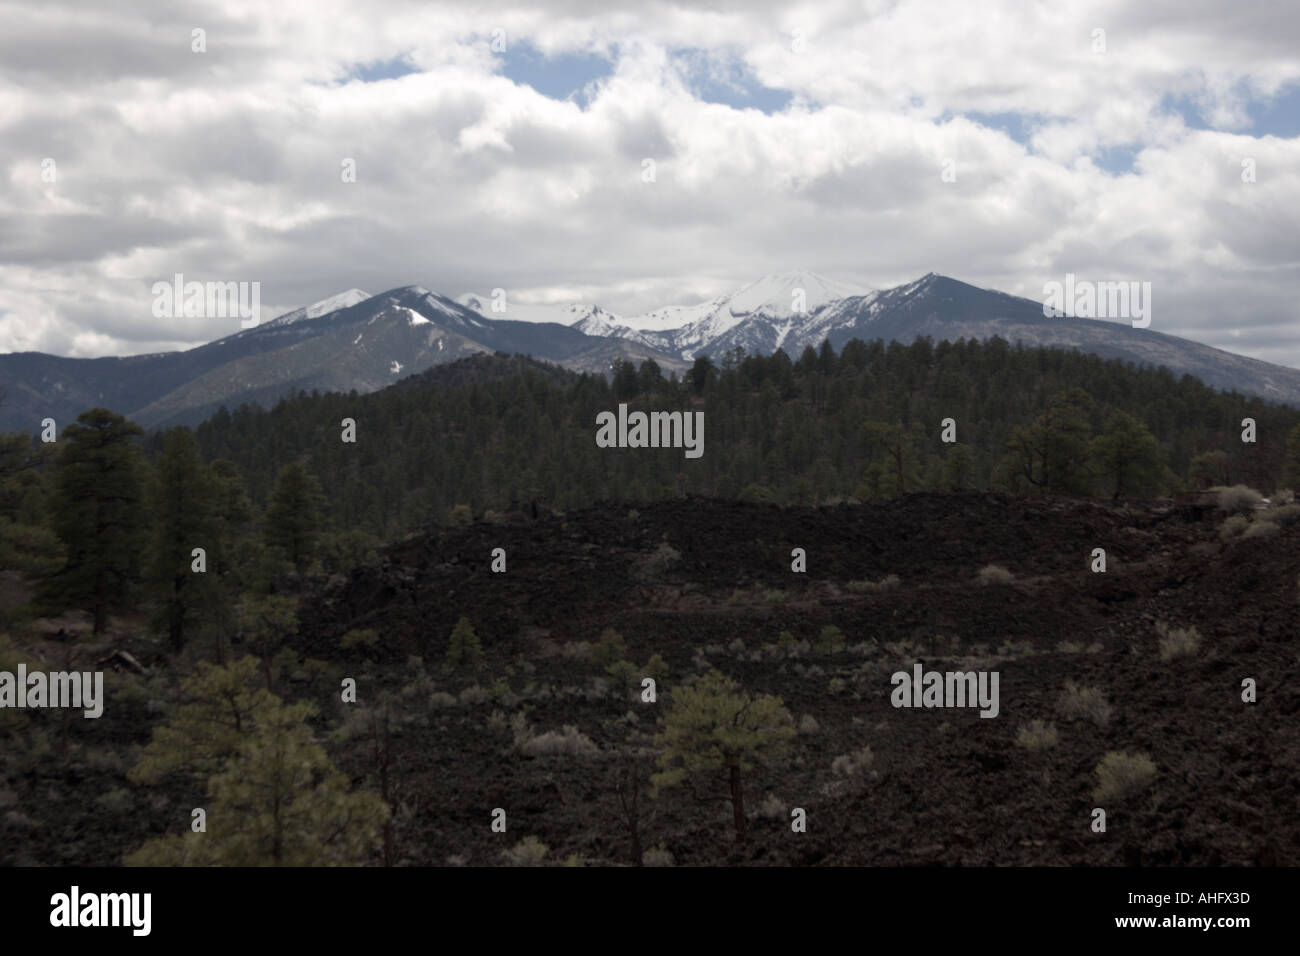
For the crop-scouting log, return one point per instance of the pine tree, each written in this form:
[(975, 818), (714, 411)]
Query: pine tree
[(219, 706), (1129, 459), (464, 647), (234, 517), (293, 517), (715, 731), (1291, 473), (1052, 453), (278, 800), (265, 623), (98, 514), (184, 502)]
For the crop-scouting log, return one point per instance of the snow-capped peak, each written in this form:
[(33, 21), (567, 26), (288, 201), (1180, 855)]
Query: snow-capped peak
[(343, 300), (561, 313), (784, 294)]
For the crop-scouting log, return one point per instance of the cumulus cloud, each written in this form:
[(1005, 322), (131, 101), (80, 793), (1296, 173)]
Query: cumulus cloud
[(1105, 139)]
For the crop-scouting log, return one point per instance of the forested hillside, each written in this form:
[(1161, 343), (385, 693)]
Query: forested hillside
[(864, 423), (280, 490)]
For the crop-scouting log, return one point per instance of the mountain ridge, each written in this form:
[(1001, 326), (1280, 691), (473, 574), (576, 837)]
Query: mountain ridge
[(354, 342)]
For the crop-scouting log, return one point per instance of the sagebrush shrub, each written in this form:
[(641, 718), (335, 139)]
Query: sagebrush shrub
[(1238, 499), (1084, 703), (568, 741), (1260, 529), (1122, 775), (1177, 642), (1037, 735), (887, 583), (853, 764), (529, 851), (994, 574)]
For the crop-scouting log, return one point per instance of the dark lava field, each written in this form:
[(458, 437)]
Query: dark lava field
[(544, 731), (944, 787)]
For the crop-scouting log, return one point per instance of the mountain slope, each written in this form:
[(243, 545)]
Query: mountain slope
[(944, 308), (340, 344)]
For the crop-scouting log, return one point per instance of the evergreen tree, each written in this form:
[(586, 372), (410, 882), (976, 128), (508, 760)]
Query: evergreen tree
[(701, 373), (278, 800), (293, 517), (715, 731), (236, 549), (27, 544), (1129, 459), (184, 504), (1291, 473), (900, 467), (219, 706), (464, 647), (1051, 454), (265, 623), (958, 469), (98, 515)]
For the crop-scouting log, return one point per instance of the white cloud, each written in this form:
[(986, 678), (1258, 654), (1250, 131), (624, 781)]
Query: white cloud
[(225, 165)]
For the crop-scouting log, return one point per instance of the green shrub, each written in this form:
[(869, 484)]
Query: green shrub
[(610, 649), (853, 764), (368, 637), (1122, 775), (887, 583), (1238, 499), (830, 640), (1259, 528), (1284, 515), (529, 851), (1037, 735), (1084, 703), (657, 856), (568, 741), (1176, 643), (1232, 526), (994, 574)]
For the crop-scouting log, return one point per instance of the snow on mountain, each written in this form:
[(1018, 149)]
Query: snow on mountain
[(343, 300), (670, 318), (763, 315), (559, 313), (776, 296), (415, 318), (769, 313)]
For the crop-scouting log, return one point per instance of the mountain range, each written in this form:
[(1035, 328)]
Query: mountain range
[(356, 341)]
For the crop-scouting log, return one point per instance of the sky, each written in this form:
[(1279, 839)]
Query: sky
[(509, 145)]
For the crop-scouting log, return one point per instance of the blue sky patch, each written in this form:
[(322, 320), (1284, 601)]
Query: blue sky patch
[(1117, 159), (563, 76), (1276, 116), (383, 70), (729, 82), (1279, 116), (1016, 125)]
